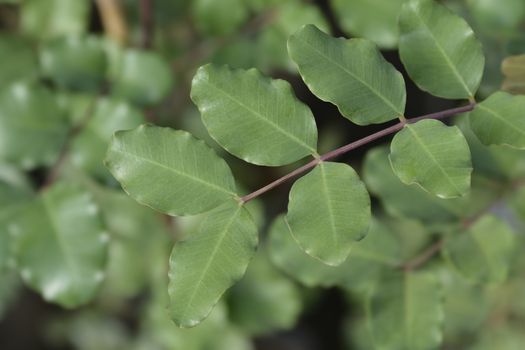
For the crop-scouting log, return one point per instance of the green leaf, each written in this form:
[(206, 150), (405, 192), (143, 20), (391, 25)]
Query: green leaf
[(264, 301), (499, 120), (77, 63), (18, 60), (375, 20), (434, 156), (439, 50), (219, 18), (51, 18), (253, 117), (406, 312), (107, 116), (169, 170), (401, 200), (329, 209), (483, 252), (367, 259), (144, 78), (513, 68), (205, 265), (61, 245), (32, 127), (351, 74)]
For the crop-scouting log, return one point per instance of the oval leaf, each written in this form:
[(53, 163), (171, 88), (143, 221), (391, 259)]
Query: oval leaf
[(483, 252), (169, 170), (60, 245), (434, 156), (439, 50), (406, 312), (253, 117), (205, 265), (32, 128), (351, 74), (499, 120), (329, 209)]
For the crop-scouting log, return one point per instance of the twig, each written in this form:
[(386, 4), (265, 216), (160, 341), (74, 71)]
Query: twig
[(353, 145), (113, 20), (426, 255), (146, 19)]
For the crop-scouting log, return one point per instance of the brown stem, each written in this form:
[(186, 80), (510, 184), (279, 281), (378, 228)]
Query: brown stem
[(426, 255), (353, 145), (146, 19)]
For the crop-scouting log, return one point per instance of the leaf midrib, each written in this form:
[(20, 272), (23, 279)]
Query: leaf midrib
[(357, 78), (206, 268), (431, 155), (263, 118), (329, 207), (444, 54), (500, 118), (196, 179)]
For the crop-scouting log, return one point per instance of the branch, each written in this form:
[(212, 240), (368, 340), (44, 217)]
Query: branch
[(425, 256), (351, 146), (146, 19)]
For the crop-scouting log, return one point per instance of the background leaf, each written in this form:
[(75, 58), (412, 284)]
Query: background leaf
[(513, 67), (18, 60), (499, 120), (169, 170), (439, 50), (483, 252), (434, 156), (72, 269), (351, 74), (30, 112), (406, 312), (203, 266), (328, 210), (253, 117)]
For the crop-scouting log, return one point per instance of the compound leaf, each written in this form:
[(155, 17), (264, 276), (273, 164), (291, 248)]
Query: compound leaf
[(439, 50), (499, 120), (406, 312), (329, 209), (205, 265), (483, 252), (255, 118), (351, 74), (169, 170), (434, 156), (60, 245)]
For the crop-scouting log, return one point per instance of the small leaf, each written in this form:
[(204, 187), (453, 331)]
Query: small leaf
[(89, 146), (144, 78), (253, 117), (328, 210), (373, 20), (205, 265), (29, 112), (219, 18), (264, 301), (351, 74), (406, 312), (60, 245), (169, 170), (513, 68), (52, 18), (439, 50), (483, 252), (18, 60), (499, 120), (367, 259), (77, 63), (434, 156)]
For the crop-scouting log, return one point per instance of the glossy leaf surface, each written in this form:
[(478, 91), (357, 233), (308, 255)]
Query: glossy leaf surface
[(351, 74), (64, 223), (205, 265), (406, 312), (253, 117), (169, 170), (328, 210), (483, 252), (434, 156), (439, 50), (499, 120)]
